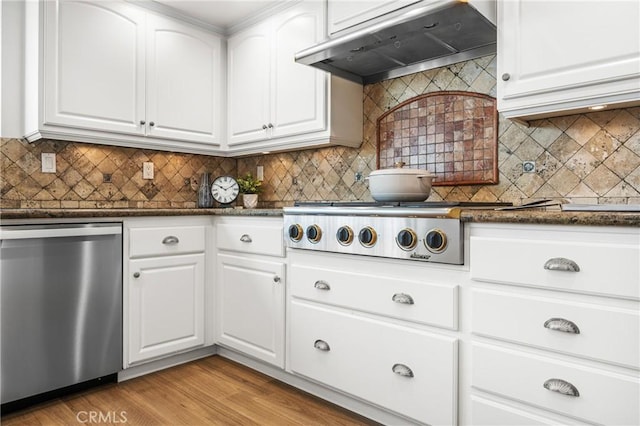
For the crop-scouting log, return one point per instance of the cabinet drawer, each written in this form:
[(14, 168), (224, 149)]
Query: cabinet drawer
[(490, 413), (160, 241), (248, 237), (603, 333), (604, 268), (427, 303), (604, 397), (366, 357)]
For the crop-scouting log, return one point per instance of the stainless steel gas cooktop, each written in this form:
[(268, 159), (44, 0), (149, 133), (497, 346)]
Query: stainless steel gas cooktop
[(421, 231)]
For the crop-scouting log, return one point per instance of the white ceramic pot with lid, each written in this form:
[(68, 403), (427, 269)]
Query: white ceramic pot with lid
[(399, 184)]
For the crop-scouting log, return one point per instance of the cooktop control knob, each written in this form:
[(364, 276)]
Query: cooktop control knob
[(314, 233), (344, 235), (295, 232), (435, 241), (368, 236), (407, 239)]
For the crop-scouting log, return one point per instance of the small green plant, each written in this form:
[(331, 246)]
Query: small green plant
[(249, 185)]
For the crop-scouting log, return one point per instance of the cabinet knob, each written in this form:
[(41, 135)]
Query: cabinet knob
[(402, 370), (322, 285), (264, 127), (170, 240), (246, 238), (561, 386), (561, 324), (405, 299), (276, 279), (506, 76), (142, 122), (151, 123), (136, 275), (270, 126), (561, 264), (321, 345)]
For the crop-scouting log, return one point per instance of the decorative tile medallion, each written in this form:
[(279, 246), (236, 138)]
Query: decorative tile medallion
[(451, 134)]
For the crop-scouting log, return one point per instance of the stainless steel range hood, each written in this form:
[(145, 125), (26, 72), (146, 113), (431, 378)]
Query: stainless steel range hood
[(422, 37)]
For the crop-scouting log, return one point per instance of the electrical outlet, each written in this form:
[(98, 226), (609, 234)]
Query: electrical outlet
[(48, 162), (358, 176), (147, 170), (260, 173)]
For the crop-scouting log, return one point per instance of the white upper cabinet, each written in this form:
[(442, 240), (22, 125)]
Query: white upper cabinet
[(183, 76), (298, 101), (275, 103), (94, 66), (343, 14), (248, 83), (561, 57), (112, 71)]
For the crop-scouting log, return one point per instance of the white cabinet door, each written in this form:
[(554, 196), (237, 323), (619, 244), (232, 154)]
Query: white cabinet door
[(249, 69), (250, 307), (166, 305), (270, 95), (556, 56), (344, 14), (298, 99), (94, 66), (183, 82), (112, 71)]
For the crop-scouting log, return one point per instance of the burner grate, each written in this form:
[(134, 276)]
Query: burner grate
[(412, 204)]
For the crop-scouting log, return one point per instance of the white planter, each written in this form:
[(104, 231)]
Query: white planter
[(250, 201)]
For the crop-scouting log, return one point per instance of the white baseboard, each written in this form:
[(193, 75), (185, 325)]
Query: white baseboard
[(161, 364)]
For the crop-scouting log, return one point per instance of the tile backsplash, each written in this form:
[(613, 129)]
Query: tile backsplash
[(590, 158), (80, 178)]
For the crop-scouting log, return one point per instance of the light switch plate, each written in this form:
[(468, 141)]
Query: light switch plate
[(260, 173), (48, 162), (147, 170)]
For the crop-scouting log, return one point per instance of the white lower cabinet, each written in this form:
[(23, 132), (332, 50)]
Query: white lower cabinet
[(250, 307), (555, 324), (250, 288), (572, 389), (379, 330), (409, 371), (166, 300), (167, 287)]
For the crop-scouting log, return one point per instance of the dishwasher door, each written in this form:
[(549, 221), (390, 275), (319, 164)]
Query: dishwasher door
[(61, 306)]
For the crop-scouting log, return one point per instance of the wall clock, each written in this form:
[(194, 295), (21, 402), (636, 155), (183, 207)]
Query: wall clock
[(225, 190)]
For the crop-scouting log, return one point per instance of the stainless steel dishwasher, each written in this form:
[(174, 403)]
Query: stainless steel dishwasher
[(61, 306)]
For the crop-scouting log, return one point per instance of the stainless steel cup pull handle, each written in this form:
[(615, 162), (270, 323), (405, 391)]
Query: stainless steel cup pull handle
[(561, 264), (321, 345), (402, 370), (276, 279), (561, 324), (402, 298), (246, 238), (170, 240), (561, 386), (322, 285)]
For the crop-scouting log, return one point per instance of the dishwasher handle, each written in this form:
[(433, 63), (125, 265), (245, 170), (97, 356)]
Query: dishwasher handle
[(44, 231)]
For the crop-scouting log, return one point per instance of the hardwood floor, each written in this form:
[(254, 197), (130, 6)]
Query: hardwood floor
[(210, 391)]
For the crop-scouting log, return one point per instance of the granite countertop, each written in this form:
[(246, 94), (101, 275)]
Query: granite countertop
[(556, 217), (97, 213), (528, 216)]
